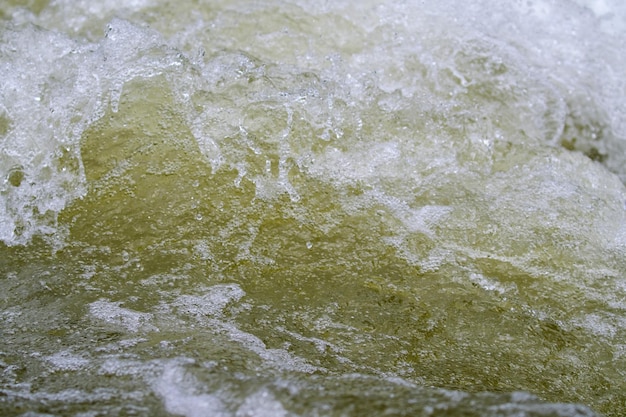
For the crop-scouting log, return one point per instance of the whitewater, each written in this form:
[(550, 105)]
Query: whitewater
[(309, 208)]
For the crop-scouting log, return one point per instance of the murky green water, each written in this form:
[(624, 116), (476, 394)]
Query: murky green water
[(293, 209)]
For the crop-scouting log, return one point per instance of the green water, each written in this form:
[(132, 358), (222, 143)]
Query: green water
[(244, 232)]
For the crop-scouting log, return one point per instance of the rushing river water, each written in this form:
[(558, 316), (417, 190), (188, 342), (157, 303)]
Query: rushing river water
[(312, 208)]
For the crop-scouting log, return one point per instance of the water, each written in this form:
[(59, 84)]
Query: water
[(299, 209)]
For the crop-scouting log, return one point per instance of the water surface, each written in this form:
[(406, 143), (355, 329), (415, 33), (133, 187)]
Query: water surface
[(297, 209)]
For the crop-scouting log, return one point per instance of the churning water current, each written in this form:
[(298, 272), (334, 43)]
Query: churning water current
[(298, 208)]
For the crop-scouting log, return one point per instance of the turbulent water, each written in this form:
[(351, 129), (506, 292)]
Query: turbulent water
[(307, 208)]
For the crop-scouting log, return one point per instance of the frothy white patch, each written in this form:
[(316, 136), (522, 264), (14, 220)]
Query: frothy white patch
[(321, 345), (275, 358), (183, 394), (66, 361), (112, 313), (208, 310), (261, 404), (487, 284), (210, 304), (125, 367), (179, 392), (420, 219)]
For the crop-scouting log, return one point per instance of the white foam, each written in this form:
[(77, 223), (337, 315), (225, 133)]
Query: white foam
[(528, 55), (67, 361), (66, 89), (210, 304), (115, 366), (208, 310), (274, 358), (178, 390), (487, 284), (261, 404), (400, 111), (39, 164), (111, 312), (610, 13)]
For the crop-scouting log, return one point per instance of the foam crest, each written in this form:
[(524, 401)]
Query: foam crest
[(410, 83), (69, 85), (39, 162)]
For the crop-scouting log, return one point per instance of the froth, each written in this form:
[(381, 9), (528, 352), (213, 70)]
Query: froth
[(433, 92), (54, 87), (67, 361), (178, 391), (39, 161), (112, 313)]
